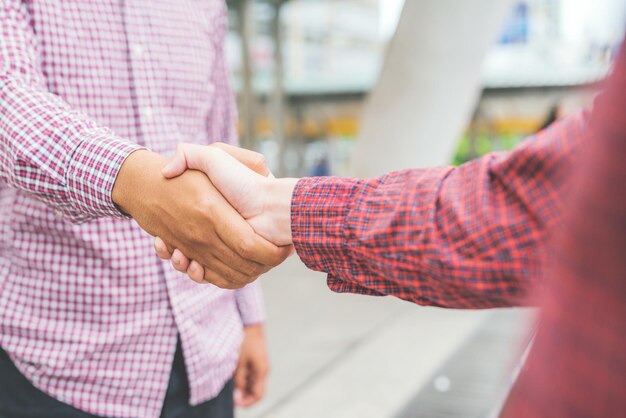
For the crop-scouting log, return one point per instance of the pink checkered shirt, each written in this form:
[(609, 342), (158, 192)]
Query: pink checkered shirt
[(87, 312)]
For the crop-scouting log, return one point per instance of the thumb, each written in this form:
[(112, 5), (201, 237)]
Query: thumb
[(253, 160), (188, 156), (228, 174)]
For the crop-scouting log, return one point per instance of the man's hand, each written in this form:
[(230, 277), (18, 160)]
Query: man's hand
[(188, 213), (263, 201), (253, 368)]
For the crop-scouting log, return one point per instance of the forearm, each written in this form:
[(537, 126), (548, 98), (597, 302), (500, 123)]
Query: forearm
[(467, 237), (48, 149), (56, 154)]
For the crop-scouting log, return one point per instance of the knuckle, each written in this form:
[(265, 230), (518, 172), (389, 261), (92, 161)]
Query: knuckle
[(257, 270), (252, 270), (210, 277), (207, 207), (228, 277), (230, 285), (245, 247), (259, 161)]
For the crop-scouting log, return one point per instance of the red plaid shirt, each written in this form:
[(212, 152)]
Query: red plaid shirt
[(474, 237), (465, 237), (87, 312)]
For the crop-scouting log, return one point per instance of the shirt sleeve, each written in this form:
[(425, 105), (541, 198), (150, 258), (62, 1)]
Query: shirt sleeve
[(48, 149), (251, 304), (464, 237)]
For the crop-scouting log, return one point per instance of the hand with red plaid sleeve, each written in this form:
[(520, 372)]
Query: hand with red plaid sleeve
[(464, 237), (243, 180)]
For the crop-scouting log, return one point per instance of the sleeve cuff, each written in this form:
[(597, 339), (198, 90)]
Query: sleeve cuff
[(250, 304), (92, 172), (321, 235)]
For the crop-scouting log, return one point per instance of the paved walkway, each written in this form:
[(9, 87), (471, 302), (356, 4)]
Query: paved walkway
[(351, 356)]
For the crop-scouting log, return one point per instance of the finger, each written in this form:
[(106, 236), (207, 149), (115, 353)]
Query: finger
[(258, 386), (229, 274), (247, 244), (241, 382), (195, 271), (178, 164), (222, 252), (179, 261), (161, 249), (237, 262), (253, 160), (238, 246), (191, 156), (207, 255), (215, 279), (225, 172), (239, 398)]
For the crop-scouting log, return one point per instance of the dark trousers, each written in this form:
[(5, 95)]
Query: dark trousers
[(20, 399)]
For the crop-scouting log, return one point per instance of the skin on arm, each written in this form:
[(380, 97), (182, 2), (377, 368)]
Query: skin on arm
[(460, 237), (190, 214), (253, 367), (235, 172)]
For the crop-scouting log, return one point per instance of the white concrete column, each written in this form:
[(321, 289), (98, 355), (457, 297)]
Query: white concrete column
[(429, 84)]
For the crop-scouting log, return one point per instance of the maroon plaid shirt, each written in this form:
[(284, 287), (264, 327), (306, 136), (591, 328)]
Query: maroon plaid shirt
[(87, 312), (473, 237), (465, 237)]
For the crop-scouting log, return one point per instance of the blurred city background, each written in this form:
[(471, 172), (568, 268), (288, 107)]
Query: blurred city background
[(360, 87)]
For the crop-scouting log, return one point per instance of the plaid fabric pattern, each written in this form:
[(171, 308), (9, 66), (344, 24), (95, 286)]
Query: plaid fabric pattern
[(578, 365), (464, 237), (87, 312), (473, 237)]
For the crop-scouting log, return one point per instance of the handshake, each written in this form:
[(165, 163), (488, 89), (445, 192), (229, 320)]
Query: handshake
[(216, 210)]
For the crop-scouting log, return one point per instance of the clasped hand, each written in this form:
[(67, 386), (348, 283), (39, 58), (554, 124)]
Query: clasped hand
[(246, 188)]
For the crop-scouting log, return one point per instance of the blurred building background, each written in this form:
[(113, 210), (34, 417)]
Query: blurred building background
[(550, 54), (309, 75)]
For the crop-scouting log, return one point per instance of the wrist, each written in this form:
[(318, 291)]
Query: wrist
[(278, 208), (140, 169), (257, 327)]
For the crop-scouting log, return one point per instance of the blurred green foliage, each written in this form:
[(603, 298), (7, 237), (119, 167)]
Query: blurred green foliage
[(482, 144)]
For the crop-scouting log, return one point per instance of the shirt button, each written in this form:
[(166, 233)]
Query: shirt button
[(58, 213), (147, 112), (137, 50)]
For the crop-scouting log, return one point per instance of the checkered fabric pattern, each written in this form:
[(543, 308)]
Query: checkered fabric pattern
[(475, 237), (87, 311), (578, 365), (464, 237)]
